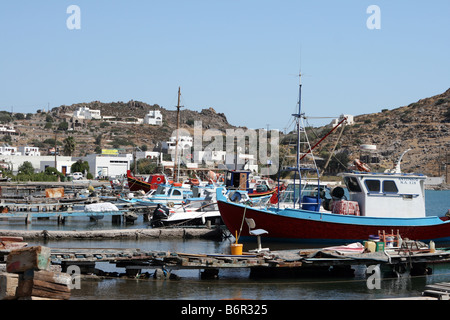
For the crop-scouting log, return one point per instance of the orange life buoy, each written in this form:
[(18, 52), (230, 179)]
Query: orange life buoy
[(361, 166)]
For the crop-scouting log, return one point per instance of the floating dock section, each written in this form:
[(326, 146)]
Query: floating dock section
[(260, 264)]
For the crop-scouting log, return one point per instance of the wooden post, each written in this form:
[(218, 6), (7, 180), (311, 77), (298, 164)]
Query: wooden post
[(8, 285), (44, 284), (61, 219), (29, 277), (20, 260)]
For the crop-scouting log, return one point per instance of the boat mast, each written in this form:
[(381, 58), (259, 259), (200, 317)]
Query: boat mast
[(297, 116), (175, 177)]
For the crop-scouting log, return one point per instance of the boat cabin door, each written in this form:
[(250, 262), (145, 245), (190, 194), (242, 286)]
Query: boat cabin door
[(243, 181)]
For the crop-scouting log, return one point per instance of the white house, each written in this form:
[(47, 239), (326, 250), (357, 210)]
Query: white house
[(147, 155), (29, 151), (210, 156), (184, 142), (7, 150), (350, 120), (8, 130), (244, 161), (154, 117), (86, 113), (108, 166), (63, 163)]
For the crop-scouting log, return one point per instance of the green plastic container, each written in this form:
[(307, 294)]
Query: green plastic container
[(380, 246)]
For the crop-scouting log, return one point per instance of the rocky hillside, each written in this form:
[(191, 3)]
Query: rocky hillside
[(38, 129), (423, 126)]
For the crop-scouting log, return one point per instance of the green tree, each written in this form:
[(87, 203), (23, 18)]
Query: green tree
[(80, 166), (69, 146), (5, 117), (63, 126), (26, 168)]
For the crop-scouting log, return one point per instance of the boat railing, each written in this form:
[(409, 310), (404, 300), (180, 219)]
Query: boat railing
[(288, 195)]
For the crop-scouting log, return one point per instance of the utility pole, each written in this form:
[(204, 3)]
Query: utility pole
[(175, 164), (56, 133)]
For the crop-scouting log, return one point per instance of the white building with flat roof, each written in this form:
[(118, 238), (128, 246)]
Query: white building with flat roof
[(108, 166), (29, 151), (153, 117), (350, 120), (86, 113), (7, 150)]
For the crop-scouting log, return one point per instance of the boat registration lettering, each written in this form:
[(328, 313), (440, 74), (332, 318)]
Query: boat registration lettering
[(408, 180)]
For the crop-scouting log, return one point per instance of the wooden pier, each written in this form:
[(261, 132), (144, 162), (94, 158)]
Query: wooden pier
[(261, 264)]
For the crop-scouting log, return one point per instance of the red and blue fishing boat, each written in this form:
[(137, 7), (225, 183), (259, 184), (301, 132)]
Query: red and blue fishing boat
[(391, 202), (378, 202)]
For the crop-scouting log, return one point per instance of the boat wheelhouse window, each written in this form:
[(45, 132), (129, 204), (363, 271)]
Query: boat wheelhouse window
[(352, 184), (373, 185), (176, 192), (390, 186)]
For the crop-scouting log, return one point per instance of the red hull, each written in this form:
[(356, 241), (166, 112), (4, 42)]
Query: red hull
[(304, 230), (135, 184)]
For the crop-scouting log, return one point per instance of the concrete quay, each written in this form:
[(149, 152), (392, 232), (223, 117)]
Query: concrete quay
[(156, 233)]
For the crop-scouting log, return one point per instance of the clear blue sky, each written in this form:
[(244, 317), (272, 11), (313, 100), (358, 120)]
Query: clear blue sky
[(238, 57)]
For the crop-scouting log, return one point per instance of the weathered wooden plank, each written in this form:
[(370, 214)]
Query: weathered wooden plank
[(8, 285), (44, 283), (12, 245), (12, 239), (48, 276), (20, 260), (39, 288)]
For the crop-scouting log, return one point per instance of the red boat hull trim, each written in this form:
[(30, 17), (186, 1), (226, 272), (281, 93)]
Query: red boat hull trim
[(292, 229)]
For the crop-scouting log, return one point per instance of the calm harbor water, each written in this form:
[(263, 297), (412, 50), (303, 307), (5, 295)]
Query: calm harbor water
[(233, 284)]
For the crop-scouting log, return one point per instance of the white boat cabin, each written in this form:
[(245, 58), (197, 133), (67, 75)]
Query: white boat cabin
[(397, 195)]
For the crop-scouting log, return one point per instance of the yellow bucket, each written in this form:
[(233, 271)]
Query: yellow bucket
[(236, 249), (370, 246)]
